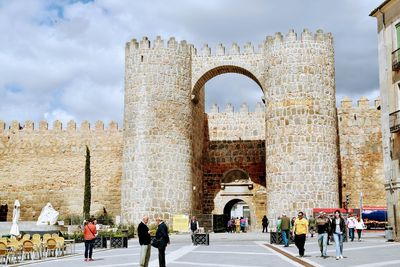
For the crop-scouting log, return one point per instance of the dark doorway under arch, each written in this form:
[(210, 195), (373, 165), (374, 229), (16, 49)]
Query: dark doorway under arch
[(245, 212), (221, 221)]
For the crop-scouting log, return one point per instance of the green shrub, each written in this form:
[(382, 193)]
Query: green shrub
[(104, 218), (130, 228)]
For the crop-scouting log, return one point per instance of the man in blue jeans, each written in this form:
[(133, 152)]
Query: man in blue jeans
[(322, 229), (285, 229)]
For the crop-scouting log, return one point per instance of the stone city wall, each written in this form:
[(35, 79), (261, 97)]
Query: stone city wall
[(361, 159), (231, 125), (40, 165)]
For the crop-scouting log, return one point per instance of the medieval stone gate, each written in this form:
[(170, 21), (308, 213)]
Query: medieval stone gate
[(164, 130)]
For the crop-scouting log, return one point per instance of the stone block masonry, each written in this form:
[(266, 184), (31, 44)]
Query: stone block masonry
[(301, 133), (158, 152), (361, 157), (40, 165)]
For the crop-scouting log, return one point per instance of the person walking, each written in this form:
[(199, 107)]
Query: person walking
[(163, 237), (144, 241), (233, 224), (300, 230), (229, 226), (322, 223), (193, 226), (89, 234), (359, 227), (285, 229), (237, 225), (338, 227), (242, 224), (351, 224), (265, 223)]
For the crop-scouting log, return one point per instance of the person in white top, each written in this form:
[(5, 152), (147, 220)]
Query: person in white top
[(351, 224), (359, 226)]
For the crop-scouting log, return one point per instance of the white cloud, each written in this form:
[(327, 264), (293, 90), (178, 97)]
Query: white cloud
[(67, 57)]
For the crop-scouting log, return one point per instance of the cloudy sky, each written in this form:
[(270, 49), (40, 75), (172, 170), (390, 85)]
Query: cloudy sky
[(65, 59)]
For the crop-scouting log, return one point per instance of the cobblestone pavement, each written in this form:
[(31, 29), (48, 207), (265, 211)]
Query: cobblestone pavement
[(237, 250)]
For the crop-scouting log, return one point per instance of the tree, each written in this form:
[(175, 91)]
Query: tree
[(87, 193)]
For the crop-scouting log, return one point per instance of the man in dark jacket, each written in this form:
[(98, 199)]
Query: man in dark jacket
[(194, 227), (163, 237), (144, 241), (285, 229), (265, 223)]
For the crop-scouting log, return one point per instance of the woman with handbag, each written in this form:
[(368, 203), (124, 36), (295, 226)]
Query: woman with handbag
[(89, 234)]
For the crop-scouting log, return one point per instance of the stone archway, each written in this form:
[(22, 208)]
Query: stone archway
[(205, 75), (242, 211), (236, 186), (205, 68)]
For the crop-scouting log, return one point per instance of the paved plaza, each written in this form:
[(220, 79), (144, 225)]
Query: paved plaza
[(237, 250)]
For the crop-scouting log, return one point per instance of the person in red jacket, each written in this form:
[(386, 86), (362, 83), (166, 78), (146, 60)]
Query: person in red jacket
[(89, 234)]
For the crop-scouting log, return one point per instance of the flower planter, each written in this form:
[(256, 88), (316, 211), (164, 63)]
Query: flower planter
[(100, 242), (276, 238), (119, 242)]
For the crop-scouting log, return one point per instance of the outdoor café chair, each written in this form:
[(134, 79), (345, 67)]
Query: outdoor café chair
[(46, 236), (36, 236), (55, 235), (26, 237), (51, 246), (38, 247), (60, 244), (27, 249), (14, 249), (3, 252)]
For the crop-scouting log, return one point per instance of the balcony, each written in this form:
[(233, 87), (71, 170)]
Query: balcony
[(396, 60), (394, 121)]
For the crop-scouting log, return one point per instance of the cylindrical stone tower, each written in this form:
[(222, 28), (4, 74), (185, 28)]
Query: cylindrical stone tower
[(157, 155), (301, 136)]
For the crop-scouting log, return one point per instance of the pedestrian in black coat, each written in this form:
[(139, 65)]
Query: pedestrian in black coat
[(144, 241), (163, 237)]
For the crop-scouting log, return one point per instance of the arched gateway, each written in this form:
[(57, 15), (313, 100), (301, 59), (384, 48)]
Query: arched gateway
[(164, 125)]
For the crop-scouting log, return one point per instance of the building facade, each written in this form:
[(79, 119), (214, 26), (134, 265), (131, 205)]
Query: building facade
[(388, 18)]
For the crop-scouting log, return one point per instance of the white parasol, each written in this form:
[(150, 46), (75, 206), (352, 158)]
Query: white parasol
[(16, 213)]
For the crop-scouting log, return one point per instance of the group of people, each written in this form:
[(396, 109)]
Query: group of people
[(160, 241), (326, 228), (237, 225)]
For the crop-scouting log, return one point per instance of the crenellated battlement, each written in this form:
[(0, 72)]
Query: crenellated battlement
[(363, 102), (57, 126), (244, 109), (158, 43), (305, 36), (234, 48)]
